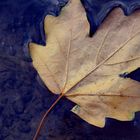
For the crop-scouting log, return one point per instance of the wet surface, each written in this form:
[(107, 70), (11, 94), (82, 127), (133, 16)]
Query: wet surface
[(23, 96)]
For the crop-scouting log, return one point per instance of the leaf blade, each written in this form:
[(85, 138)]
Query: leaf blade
[(88, 66)]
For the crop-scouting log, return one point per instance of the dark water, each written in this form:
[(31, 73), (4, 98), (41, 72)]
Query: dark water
[(24, 98)]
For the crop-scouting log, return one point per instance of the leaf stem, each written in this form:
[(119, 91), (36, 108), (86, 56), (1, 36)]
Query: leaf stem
[(44, 117)]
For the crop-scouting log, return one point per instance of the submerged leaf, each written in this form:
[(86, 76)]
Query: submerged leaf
[(86, 70)]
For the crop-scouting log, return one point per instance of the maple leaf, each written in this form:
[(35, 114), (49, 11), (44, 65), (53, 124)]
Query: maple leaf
[(86, 70)]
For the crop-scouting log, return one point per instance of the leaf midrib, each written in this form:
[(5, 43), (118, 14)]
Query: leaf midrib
[(100, 64)]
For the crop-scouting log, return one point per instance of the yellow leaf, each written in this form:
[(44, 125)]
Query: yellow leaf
[(86, 70)]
